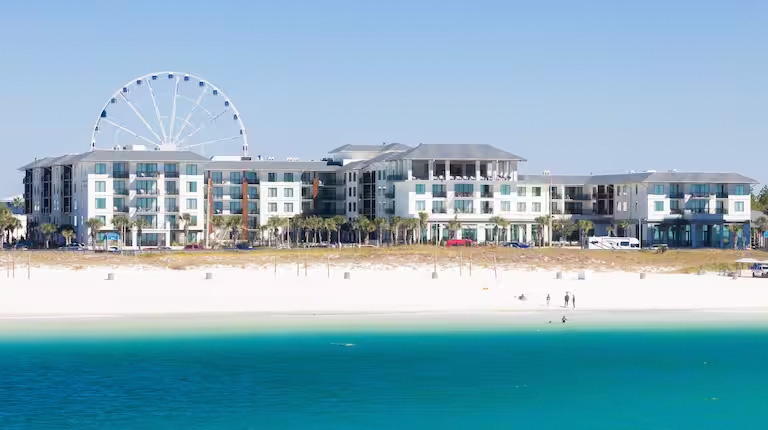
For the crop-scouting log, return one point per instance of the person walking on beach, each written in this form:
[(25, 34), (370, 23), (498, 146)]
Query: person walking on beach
[(567, 298), (573, 300), (547, 300)]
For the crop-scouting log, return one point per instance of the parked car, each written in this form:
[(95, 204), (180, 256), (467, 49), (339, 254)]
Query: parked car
[(760, 270), (515, 244), (460, 242), (193, 246), (243, 246), (75, 246)]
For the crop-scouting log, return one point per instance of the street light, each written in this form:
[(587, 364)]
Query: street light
[(549, 193)]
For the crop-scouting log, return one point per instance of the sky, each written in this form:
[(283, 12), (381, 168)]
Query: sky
[(573, 87)]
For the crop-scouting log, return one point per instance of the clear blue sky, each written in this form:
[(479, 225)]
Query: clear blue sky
[(575, 87)]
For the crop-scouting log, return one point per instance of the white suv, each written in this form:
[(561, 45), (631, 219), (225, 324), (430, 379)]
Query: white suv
[(760, 271)]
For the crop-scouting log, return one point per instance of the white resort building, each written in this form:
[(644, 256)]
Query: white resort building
[(472, 184)]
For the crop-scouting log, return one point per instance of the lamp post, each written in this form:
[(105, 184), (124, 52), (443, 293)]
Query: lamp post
[(549, 193)]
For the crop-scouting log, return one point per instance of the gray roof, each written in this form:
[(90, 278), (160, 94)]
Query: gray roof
[(110, 155), (458, 152), (365, 163), (315, 166), (371, 148), (644, 177)]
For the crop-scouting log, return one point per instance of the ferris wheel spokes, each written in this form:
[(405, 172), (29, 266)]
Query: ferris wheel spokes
[(209, 142), (157, 110), (141, 117), (130, 132), (189, 115), (202, 127), (173, 112)]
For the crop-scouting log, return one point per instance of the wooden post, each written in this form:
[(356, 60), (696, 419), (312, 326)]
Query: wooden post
[(298, 259), (305, 263), (434, 262), (29, 266)]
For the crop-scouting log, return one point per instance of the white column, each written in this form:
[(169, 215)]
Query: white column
[(409, 167), (447, 169), (168, 237), (477, 168), (528, 232), (134, 236)]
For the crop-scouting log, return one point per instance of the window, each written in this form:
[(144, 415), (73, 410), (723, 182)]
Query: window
[(170, 204), (192, 204), (273, 207), (235, 192), (421, 205), (463, 206), (506, 190), (253, 193), (101, 186), (700, 189), (287, 177), (101, 168), (739, 207), (354, 192), (350, 191), (146, 169), (235, 177), (146, 203), (674, 204), (119, 204), (535, 207), (521, 206), (273, 192), (119, 187), (506, 206), (536, 191), (272, 177), (191, 187), (101, 203), (218, 192), (288, 192), (218, 207), (193, 220), (103, 219), (253, 207), (171, 188), (521, 191), (217, 177), (658, 190), (658, 206), (420, 188), (191, 169), (288, 207), (463, 188), (235, 207), (120, 169), (438, 207), (740, 190)]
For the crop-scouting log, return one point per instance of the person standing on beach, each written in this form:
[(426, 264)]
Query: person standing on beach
[(573, 300), (547, 300), (567, 298)]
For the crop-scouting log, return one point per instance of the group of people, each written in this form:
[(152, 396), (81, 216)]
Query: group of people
[(569, 298)]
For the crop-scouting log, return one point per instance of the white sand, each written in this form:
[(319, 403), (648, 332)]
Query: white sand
[(62, 293)]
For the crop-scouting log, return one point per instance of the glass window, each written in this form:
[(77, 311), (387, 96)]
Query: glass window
[(253, 207), (464, 188), (272, 177), (658, 206), (101, 186), (288, 207), (739, 207), (506, 206), (253, 193), (191, 187), (463, 206), (218, 207), (144, 168), (217, 177), (170, 204), (235, 177), (506, 190), (118, 186), (740, 190), (420, 188), (421, 205), (521, 206), (288, 192), (236, 192), (273, 192), (438, 190), (103, 219), (119, 203), (171, 187), (535, 207), (287, 177), (101, 203), (193, 220), (273, 207), (674, 204), (235, 207), (536, 191), (192, 204), (521, 192), (658, 190), (191, 169), (218, 192), (101, 168), (120, 168)]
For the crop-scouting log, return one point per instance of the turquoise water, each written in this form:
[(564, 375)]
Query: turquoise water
[(483, 380)]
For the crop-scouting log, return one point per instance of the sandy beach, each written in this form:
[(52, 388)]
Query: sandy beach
[(377, 295)]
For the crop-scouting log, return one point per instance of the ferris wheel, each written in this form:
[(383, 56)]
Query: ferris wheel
[(169, 111)]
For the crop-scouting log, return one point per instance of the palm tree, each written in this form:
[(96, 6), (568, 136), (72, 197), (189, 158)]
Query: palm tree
[(233, 224), (48, 230), (496, 221), (297, 223), (423, 221), (317, 225), (413, 225), (542, 222), (122, 223), (624, 226), (584, 227), (340, 221), (734, 229), (68, 235), (454, 226), (186, 219), (219, 227), (140, 224), (609, 230), (95, 224), (381, 224), (395, 224), (330, 226), (18, 202)]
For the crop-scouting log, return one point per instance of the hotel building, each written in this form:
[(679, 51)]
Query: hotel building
[(468, 183)]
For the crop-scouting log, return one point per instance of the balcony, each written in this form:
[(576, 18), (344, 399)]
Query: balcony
[(721, 211), (145, 210), (141, 191), (172, 209), (172, 174), (395, 177), (147, 174), (676, 195), (580, 197), (721, 195), (389, 211), (604, 196), (486, 195), (120, 209), (464, 211), (122, 192), (464, 194), (236, 211), (439, 210), (701, 194), (557, 196), (120, 175), (389, 195), (486, 210), (677, 211), (252, 181)]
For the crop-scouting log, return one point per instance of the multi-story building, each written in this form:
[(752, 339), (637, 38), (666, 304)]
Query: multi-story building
[(474, 185)]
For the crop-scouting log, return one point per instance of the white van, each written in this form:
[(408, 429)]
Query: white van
[(610, 242)]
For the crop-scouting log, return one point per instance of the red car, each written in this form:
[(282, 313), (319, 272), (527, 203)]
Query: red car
[(460, 242)]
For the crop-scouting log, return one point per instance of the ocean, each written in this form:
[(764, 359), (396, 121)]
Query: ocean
[(549, 379)]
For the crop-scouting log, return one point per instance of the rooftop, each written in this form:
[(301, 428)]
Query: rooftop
[(371, 148), (110, 155), (457, 152), (643, 177)]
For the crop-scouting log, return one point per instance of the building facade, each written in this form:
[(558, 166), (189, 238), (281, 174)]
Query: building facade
[(470, 185)]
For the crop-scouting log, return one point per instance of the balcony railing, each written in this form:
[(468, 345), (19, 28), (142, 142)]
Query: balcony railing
[(395, 177), (252, 181), (121, 209), (236, 211), (486, 195), (676, 195), (464, 194), (143, 210), (604, 196), (141, 191), (172, 174), (172, 209), (172, 192), (579, 197), (721, 195), (464, 211), (389, 195), (389, 211), (440, 194), (439, 210), (701, 194), (721, 211), (676, 211), (120, 175), (121, 192), (147, 174), (486, 210)]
